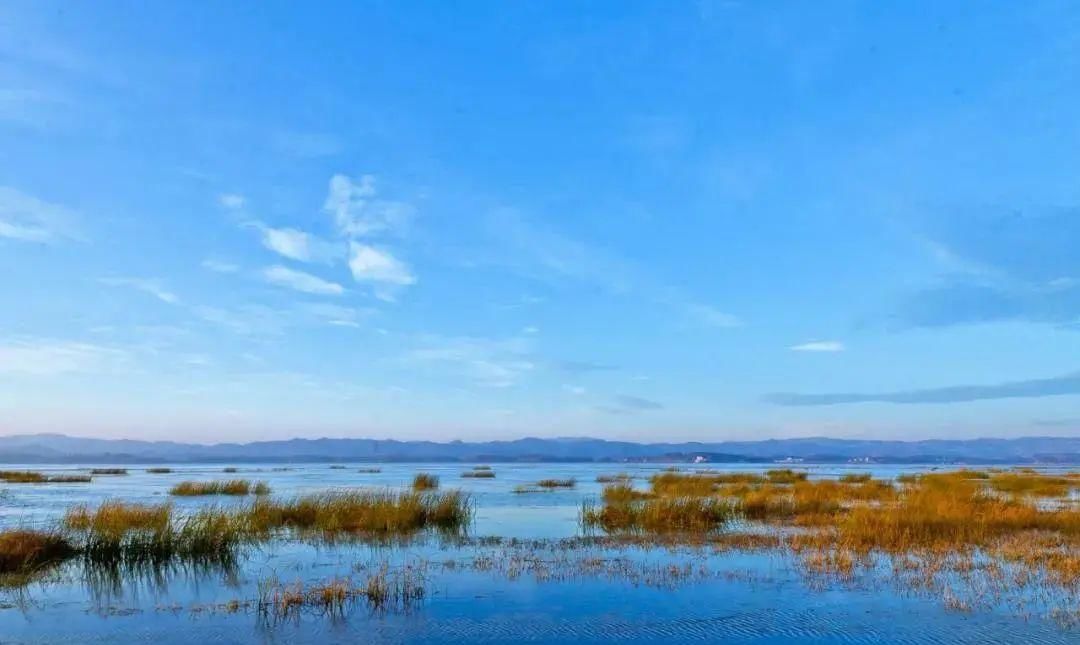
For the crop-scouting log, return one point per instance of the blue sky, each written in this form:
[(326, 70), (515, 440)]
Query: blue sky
[(637, 220)]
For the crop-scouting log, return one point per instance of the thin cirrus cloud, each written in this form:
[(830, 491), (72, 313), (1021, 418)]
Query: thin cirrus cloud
[(47, 357), (628, 404), (1032, 388), (1003, 266), (232, 201), (148, 286), (819, 346), (26, 218), (300, 281)]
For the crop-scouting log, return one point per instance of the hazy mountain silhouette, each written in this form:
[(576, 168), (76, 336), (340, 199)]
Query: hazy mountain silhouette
[(62, 448)]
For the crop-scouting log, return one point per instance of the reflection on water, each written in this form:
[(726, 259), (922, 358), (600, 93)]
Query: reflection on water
[(536, 579)]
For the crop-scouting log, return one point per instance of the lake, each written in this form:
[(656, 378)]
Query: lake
[(526, 571)]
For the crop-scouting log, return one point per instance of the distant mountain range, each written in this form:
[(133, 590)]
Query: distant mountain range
[(58, 448)]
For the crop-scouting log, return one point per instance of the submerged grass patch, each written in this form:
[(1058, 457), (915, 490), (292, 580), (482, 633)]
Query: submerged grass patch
[(557, 483), (159, 471), (108, 471), (227, 487), (479, 474)]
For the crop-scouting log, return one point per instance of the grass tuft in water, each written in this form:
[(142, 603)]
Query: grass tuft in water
[(23, 551), (108, 471), (425, 481), (227, 487), (557, 483)]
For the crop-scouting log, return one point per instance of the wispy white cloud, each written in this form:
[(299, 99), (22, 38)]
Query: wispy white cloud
[(819, 346), (232, 201), (26, 218), (336, 315), (379, 268), (486, 362), (45, 357), (712, 316), (628, 404), (357, 210), (145, 285), (289, 242), (218, 266), (300, 281), (299, 245)]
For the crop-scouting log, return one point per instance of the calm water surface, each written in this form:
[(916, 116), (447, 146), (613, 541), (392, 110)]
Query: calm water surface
[(480, 592)]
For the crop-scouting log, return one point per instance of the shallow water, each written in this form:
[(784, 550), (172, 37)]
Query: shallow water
[(478, 591)]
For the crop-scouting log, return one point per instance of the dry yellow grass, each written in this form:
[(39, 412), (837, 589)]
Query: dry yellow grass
[(377, 512), (229, 487), (24, 550), (425, 481)]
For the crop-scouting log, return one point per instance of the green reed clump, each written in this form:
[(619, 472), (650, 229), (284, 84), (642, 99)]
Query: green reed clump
[(557, 483), (425, 481), (22, 477), (785, 476), (25, 550), (159, 471), (108, 471), (374, 512), (118, 532), (227, 487)]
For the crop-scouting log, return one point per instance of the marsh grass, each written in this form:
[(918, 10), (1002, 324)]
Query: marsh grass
[(227, 487), (611, 479), (1033, 484), (23, 551), (661, 515), (108, 471), (856, 478), (22, 477), (159, 471), (31, 477), (117, 532), (557, 483), (785, 476), (425, 481), (230, 469), (478, 474), (481, 467), (369, 512)]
